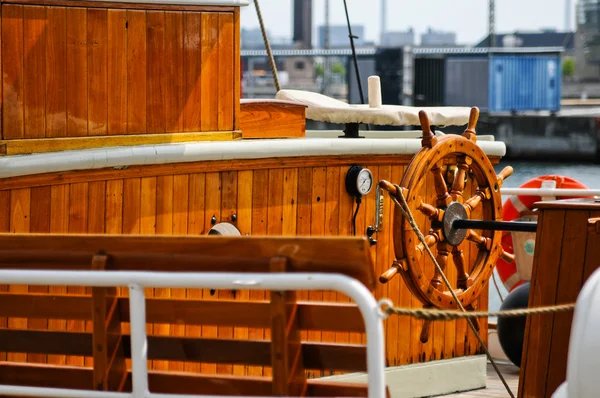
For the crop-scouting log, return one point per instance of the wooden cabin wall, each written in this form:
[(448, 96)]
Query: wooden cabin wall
[(74, 69), (294, 196)]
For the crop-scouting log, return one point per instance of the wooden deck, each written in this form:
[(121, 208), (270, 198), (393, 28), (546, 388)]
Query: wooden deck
[(495, 388)]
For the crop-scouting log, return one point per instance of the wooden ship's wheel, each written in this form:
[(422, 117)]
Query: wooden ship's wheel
[(447, 218)]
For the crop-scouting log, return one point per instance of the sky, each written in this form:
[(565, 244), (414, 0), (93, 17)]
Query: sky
[(467, 18)]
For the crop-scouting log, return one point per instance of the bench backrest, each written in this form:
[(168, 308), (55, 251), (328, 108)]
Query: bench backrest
[(109, 346)]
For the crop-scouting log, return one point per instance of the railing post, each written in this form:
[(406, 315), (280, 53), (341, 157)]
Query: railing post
[(139, 341)]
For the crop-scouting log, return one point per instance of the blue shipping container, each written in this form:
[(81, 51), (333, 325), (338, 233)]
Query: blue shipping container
[(525, 83)]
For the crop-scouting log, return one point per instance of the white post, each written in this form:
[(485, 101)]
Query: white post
[(139, 341)]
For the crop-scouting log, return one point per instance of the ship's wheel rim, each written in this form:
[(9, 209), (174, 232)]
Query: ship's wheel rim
[(404, 237)]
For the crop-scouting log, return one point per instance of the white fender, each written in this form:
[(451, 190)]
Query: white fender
[(584, 345)]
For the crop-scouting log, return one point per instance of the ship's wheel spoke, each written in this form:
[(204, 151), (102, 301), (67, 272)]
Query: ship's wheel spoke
[(458, 185), (459, 263), (443, 197), (442, 259), (474, 202), (482, 242), (431, 240), (430, 211)]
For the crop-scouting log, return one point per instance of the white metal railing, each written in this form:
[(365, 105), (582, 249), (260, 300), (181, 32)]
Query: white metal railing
[(548, 191), (554, 192), (137, 281)]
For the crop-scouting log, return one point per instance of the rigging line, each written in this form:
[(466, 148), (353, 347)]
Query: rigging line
[(408, 215), (267, 46), (352, 37), (497, 288), (450, 315)]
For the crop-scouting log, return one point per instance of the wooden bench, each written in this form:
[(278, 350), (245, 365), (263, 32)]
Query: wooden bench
[(109, 344)]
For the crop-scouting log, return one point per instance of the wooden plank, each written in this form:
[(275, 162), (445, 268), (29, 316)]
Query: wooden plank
[(329, 254), (4, 228), (136, 72), (134, 6), (287, 364), (592, 252), (192, 95), (317, 227), (156, 79), (174, 101), (229, 197), (272, 119), (244, 225), (197, 195), (27, 146), (398, 329), (117, 71), (97, 32), (20, 217), (260, 199), (114, 207), (147, 223), (311, 316), (237, 70), (304, 215), (344, 229), (132, 216), (97, 207), (212, 202), (56, 72), (570, 275), (226, 72), (40, 223), (164, 226), (12, 72), (209, 73), (195, 167), (180, 227), (78, 212), (109, 359), (536, 348), (290, 202), (385, 256), (160, 382), (77, 76), (34, 68), (206, 350), (332, 224), (59, 223)]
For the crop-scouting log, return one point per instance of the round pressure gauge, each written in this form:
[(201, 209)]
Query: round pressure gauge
[(359, 181)]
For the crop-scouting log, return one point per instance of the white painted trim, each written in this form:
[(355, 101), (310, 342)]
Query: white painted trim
[(235, 3), (427, 379), (121, 157)]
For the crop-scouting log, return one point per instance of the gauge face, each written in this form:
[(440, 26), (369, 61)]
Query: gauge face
[(364, 182)]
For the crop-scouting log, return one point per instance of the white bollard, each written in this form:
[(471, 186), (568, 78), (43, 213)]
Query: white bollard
[(374, 92)]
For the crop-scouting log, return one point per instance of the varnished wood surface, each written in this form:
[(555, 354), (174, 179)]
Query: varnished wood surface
[(571, 204), (566, 254), (286, 197), (272, 119), (75, 69), (286, 355), (42, 145), (121, 4)]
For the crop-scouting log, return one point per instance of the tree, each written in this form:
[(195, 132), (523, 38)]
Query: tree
[(568, 67)]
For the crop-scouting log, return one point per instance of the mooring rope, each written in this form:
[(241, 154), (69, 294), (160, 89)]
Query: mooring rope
[(429, 314), (267, 46), (409, 217)]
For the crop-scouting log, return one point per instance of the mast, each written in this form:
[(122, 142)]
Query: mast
[(492, 23)]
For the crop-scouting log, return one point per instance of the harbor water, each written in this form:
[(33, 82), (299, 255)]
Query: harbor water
[(586, 173)]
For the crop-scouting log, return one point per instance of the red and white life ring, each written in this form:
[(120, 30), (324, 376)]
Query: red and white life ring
[(518, 272)]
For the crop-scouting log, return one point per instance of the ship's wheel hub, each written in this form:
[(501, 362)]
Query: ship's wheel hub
[(454, 211)]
